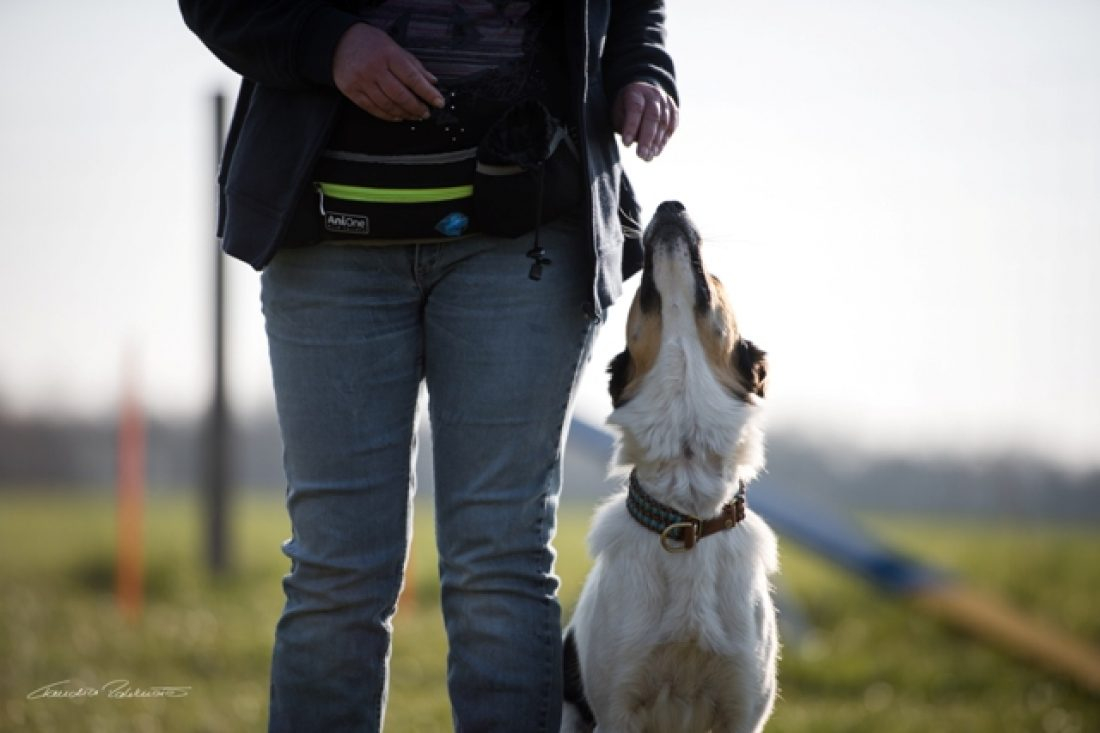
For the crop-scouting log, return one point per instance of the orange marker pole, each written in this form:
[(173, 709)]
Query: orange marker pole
[(131, 490)]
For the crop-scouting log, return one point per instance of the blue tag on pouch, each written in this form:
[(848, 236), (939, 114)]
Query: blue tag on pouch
[(453, 224)]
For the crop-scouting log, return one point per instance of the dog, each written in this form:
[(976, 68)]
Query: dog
[(675, 629)]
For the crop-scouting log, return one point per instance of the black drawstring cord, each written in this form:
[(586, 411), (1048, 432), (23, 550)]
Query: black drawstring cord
[(537, 253)]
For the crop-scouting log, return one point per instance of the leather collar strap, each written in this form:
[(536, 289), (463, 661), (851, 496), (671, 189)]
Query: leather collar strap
[(680, 532)]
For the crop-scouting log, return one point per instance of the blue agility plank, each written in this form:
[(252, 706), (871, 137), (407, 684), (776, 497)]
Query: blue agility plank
[(832, 535)]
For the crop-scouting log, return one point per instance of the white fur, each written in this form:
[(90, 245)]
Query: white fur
[(680, 642)]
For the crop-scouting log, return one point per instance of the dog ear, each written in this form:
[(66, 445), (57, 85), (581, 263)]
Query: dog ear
[(752, 364), (621, 370)]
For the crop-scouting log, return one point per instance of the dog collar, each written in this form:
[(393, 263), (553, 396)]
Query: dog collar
[(680, 532)]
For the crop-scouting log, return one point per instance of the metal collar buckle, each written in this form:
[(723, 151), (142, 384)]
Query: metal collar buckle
[(689, 532)]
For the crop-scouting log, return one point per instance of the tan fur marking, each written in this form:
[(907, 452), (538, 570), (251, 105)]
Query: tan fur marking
[(643, 341), (718, 334)]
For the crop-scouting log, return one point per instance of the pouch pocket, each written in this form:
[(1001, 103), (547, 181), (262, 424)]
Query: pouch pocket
[(528, 172), (385, 197)]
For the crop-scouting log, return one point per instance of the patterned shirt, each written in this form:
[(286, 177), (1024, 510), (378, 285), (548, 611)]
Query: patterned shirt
[(487, 55)]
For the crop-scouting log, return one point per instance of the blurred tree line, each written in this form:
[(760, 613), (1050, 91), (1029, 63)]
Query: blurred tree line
[(55, 453)]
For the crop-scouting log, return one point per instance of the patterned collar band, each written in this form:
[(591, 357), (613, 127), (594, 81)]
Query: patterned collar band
[(680, 532)]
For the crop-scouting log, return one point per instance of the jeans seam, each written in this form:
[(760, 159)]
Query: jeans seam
[(550, 633), (414, 266)]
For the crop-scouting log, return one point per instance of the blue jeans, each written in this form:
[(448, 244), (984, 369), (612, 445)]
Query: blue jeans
[(353, 331)]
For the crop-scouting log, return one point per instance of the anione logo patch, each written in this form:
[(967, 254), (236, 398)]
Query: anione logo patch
[(346, 223)]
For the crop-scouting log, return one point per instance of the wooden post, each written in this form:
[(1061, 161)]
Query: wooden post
[(217, 428)]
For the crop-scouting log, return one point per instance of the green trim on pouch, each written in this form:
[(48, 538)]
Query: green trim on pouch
[(394, 195)]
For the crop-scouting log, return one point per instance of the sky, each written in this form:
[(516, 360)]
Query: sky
[(902, 196)]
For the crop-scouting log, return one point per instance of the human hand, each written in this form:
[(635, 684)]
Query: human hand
[(645, 113), (387, 81)]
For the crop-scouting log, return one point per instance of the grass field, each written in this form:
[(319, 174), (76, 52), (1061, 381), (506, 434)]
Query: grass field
[(870, 663)]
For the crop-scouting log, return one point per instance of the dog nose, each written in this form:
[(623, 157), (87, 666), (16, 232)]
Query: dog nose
[(671, 207)]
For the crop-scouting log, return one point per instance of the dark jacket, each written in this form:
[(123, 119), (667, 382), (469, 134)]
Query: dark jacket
[(283, 49)]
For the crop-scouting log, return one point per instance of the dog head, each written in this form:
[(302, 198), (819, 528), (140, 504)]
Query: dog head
[(688, 384)]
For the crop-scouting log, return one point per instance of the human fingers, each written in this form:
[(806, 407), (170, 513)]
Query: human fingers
[(644, 113), (373, 100), (379, 76), (674, 121), (420, 82), (671, 121), (654, 117), (408, 105), (629, 108)]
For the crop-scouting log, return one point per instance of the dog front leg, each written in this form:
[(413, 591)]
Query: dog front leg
[(748, 708), (573, 722)]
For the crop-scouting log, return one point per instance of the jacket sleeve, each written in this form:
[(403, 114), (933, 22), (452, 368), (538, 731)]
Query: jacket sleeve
[(278, 43), (635, 48)]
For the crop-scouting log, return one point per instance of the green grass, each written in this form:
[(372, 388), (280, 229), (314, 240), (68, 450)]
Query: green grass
[(871, 663)]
